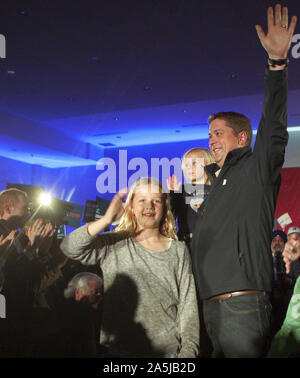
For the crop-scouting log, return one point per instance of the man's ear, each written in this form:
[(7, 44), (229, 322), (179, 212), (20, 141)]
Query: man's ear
[(242, 138)]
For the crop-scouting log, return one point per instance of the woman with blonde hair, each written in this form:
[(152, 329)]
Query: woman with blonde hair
[(186, 199), (150, 304)]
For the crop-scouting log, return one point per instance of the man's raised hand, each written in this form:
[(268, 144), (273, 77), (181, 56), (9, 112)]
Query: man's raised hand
[(278, 39)]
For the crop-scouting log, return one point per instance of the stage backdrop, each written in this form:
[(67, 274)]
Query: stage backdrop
[(289, 196)]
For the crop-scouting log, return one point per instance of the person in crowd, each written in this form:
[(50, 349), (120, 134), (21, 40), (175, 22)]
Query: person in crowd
[(282, 285), (291, 256), (291, 253), (18, 272), (279, 239), (150, 305), (294, 233), (231, 256), (52, 261), (286, 342), (186, 199), (74, 331), (21, 270), (185, 202), (85, 286)]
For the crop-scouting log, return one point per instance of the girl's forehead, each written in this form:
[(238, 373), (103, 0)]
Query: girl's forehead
[(149, 189), (194, 154)]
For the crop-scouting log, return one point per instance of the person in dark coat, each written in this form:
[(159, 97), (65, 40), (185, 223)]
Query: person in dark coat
[(75, 329), (231, 255)]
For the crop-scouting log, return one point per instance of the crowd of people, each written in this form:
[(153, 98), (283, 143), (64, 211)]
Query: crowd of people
[(196, 273)]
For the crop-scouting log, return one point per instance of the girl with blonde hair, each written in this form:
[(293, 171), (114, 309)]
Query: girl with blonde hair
[(186, 199), (128, 221), (193, 163), (150, 305)]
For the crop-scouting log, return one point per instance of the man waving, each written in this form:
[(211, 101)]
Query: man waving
[(231, 245)]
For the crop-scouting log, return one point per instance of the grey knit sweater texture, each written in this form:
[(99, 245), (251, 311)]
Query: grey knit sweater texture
[(150, 305)]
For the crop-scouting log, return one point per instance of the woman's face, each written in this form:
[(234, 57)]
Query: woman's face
[(193, 167), (147, 206)]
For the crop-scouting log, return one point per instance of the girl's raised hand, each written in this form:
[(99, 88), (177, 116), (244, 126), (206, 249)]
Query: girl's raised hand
[(173, 184), (115, 209)]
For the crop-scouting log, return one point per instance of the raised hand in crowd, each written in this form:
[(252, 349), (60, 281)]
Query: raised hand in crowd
[(34, 233), (291, 253), (173, 184), (40, 237)]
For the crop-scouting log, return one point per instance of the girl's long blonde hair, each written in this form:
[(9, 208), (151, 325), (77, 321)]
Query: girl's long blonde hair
[(128, 221)]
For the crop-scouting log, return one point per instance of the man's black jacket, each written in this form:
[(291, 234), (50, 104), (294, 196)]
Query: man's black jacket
[(231, 241)]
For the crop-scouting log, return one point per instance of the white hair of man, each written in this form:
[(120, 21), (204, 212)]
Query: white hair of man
[(80, 281)]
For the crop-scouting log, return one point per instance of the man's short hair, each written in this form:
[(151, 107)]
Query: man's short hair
[(237, 121), (10, 197)]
